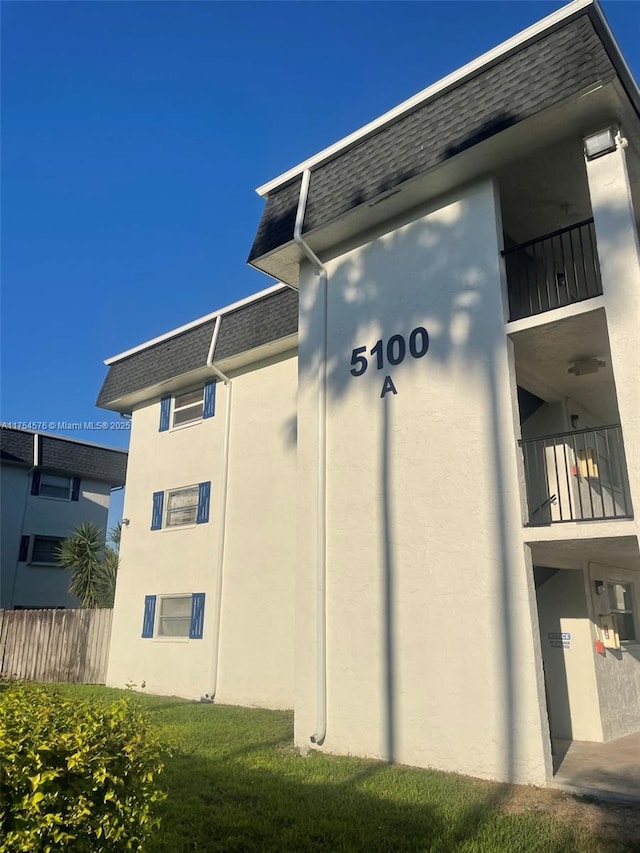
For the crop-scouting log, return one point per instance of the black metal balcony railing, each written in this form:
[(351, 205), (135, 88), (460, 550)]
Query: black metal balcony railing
[(577, 476), (554, 270)]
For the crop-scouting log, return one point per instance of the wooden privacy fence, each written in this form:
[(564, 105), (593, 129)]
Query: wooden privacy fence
[(55, 645)]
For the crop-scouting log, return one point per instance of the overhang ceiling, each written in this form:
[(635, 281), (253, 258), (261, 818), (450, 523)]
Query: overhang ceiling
[(620, 551), (544, 354)]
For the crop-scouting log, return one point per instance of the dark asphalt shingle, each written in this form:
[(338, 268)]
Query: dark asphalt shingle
[(258, 323), (267, 319), (16, 446), (538, 76), (65, 456), (82, 460), (158, 363)]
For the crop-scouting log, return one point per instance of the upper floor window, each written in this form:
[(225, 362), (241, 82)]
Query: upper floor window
[(56, 486), (189, 407), (45, 550)]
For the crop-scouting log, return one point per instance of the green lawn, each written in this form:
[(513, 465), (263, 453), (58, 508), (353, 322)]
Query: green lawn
[(236, 783)]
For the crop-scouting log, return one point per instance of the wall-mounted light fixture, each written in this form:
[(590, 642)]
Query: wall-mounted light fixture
[(602, 142), (126, 522), (599, 585), (584, 366)]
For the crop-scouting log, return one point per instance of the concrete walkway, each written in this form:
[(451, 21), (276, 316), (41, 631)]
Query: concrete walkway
[(608, 770)]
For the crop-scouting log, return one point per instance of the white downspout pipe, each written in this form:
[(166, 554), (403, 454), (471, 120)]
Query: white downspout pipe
[(321, 547), (222, 513)]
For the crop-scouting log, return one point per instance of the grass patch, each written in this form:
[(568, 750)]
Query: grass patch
[(235, 783)]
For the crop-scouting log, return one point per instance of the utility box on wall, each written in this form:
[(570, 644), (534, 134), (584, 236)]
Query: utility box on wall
[(608, 632)]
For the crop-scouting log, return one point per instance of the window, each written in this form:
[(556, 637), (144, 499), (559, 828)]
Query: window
[(174, 616), (45, 550), (181, 507), (57, 486), (180, 616), (620, 597), (189, 407)]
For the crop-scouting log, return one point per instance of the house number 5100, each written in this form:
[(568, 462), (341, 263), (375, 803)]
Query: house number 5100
[(395, 351)]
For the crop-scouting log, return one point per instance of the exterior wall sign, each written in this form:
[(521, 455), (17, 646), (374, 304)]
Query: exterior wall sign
[(392, 353), (559, 640)]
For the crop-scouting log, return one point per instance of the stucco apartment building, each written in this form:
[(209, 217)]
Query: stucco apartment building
[(398, 490), (48, 486)]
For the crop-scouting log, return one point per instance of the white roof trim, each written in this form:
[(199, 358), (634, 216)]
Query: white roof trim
[(455, 77), (227, 308)]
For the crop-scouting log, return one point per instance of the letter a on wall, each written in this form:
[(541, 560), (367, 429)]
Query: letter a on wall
[(388, 386)]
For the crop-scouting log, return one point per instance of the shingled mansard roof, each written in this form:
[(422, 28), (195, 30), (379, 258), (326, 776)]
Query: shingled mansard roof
[(560, 57), (63, 455), (269, 316)]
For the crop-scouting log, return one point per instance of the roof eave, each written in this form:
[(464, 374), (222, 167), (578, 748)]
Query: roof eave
[(538, 30)]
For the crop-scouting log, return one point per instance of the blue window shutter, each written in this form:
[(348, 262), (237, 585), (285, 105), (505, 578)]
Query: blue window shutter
[(209, 409), (75, 489), (204, 499), (197, 616), (165, 410), (149, 615), (35, 483), (24, 549), (156, 515)]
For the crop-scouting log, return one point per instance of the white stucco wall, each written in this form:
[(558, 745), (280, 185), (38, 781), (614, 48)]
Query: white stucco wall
[(574, 712), (256, 657), (619, 256), (257, 636), (430, 627), (37, 515)]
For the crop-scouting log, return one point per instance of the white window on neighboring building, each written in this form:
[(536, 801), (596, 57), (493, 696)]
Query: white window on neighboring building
[(45, 550), (188, 408), (182, 507), (620, 597), (55, 486), (174, 616)]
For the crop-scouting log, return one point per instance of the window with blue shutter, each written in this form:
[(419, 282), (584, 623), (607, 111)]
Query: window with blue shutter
[(209, 409), (24, 549), (149, 615), (165, 412), (35, 483), (156, 515), (75, 489), (204, 499), (197, 616)]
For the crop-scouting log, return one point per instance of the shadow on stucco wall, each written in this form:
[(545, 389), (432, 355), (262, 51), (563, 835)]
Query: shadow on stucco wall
[(454, 303)]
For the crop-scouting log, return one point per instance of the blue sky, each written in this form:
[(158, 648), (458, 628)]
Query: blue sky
[(134, 135)]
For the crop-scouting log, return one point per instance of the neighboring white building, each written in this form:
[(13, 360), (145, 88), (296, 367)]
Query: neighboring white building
[(451, 498), (49, 485)]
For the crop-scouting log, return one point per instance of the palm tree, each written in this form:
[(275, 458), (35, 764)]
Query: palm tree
[(93, 564)]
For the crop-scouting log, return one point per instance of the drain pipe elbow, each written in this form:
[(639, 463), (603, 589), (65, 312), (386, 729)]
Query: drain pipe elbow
[(321, 559), (222, 512)]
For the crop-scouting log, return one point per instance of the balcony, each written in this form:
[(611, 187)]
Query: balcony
[(577, 476), (556, 269)]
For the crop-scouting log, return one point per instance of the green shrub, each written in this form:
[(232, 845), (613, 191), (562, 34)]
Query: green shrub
[(79, 776)]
